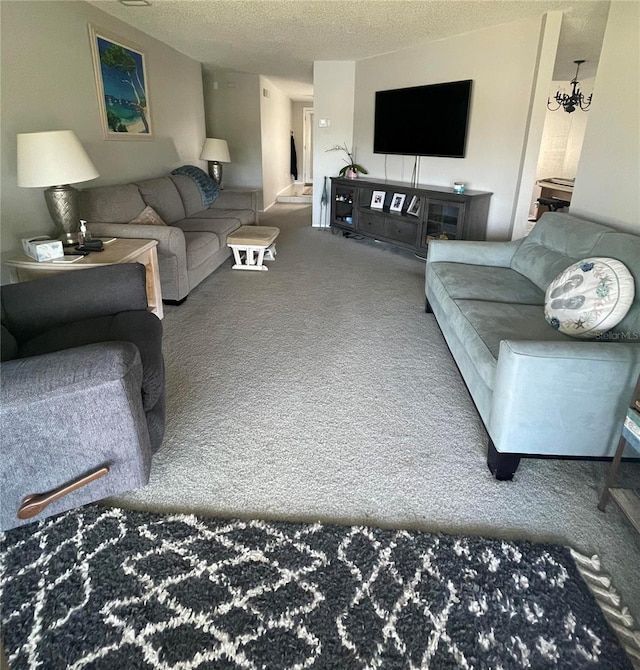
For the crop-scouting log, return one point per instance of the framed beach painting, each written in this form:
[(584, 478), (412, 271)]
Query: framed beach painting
[(122, 87)]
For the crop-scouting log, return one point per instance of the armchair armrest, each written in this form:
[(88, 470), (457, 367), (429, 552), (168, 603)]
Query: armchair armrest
[(562, 398), (29, 308), (237, 199), (45, 446), (496, 254)]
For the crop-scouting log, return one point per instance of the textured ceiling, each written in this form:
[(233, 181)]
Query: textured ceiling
[(281, 38)]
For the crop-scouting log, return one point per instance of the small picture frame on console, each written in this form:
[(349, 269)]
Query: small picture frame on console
[(397, 201), (377, 199), (414, 206)]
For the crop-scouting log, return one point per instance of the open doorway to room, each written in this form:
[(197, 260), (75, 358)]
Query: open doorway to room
[(567, 112), (307, 152)]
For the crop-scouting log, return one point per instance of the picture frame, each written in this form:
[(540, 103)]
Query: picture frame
[(377, 199), (414, 206), (397, 201), (122, 87)]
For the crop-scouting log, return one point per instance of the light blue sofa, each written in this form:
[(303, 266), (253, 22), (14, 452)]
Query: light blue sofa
[(538, 392)]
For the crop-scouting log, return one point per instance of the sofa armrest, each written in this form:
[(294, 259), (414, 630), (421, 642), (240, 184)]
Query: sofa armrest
[(29, 308), (562, 398), (237, 199), (496, 254), (170, 238), (64, 414)]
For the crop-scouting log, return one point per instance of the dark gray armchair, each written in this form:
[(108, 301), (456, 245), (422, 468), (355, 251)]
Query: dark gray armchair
[(82, 390)]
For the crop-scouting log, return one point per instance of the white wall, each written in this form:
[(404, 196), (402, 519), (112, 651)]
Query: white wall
[(48, 84), (233, 114), (276, 126), (501, 61), (333, 95), (608, 178)]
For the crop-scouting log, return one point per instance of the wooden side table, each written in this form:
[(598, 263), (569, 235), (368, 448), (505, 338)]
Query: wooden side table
[(121, 250), (627, 499)]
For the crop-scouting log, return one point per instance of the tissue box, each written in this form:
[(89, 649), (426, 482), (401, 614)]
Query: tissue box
[(42, 248)]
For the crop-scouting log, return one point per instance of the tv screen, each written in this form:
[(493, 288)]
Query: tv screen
[(423, 120)]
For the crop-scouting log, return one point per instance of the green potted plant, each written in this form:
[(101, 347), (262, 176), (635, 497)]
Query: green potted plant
[(351, 169)]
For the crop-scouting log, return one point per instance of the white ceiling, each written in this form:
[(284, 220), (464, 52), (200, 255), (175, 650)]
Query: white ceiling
[(282, 38)]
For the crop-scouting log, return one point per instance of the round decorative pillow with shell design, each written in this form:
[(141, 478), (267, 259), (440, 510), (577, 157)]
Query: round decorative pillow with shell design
[(589, 298)]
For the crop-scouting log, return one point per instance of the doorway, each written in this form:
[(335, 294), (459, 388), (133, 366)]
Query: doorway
[(307, 145)]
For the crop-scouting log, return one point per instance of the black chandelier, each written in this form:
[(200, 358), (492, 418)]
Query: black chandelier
[(571, 102)]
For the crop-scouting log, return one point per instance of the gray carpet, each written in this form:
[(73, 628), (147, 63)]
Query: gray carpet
[(320, 390)]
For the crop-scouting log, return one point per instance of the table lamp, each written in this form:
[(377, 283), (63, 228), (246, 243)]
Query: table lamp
[(56, 159), (216, 152)]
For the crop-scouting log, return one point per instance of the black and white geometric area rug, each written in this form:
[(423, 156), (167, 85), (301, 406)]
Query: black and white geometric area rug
[(102, 588)]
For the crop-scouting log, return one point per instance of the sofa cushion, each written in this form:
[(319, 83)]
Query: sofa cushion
[(189, 192), (481, 282), (625, 248), (482, 325), (220, 226), (138, 327), (111, 204), (589, 298), (555, 242), (200, 247), (163, 196), (244, 217), (148, 217)]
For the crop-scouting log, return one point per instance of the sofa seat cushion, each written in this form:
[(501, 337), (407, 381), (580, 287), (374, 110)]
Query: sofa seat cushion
[(482, 325), (220, 227), (480, 282), (111, 204), (163, 196), (244, 217), (200, 247), (137, 327)]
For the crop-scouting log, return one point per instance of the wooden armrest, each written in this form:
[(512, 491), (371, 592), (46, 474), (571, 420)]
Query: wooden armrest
[(34, 504)]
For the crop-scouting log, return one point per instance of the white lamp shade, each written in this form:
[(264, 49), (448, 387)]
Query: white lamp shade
[(215, 150), (53, 158)]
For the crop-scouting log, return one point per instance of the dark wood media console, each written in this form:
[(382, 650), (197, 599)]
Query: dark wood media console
[(427, 212)]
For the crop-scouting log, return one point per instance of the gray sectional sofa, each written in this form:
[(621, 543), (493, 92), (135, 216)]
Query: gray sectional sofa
[(192, 245), (538, 391)]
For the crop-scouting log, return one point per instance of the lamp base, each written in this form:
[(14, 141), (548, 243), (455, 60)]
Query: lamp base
[(62, 203), (215, 172)]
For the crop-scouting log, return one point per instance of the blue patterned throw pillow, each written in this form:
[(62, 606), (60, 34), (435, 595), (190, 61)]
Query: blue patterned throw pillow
[(589, 298), (209, 190)]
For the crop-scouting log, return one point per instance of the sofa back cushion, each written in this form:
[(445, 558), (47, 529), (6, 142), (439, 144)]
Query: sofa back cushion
[(626, 248), (558, 240), (163, 196), (111, 204), (189, 192), (555, 242)]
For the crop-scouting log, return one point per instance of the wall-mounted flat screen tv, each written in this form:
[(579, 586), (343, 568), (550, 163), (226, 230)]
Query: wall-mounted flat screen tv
[(423, 120)]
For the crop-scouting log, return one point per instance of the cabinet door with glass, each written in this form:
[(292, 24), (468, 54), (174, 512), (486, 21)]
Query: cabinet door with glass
[(442, 221), (343, 209)]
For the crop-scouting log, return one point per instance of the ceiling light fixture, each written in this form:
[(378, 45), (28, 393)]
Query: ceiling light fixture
[(135, 3), (571, 102)]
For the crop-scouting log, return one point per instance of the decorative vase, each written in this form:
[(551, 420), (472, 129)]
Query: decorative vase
[(352, 174)]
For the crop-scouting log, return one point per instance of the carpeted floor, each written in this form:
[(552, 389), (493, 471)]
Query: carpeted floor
[(320, 390), (109, 588)]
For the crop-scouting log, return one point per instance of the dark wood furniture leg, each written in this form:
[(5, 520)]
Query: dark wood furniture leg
[(502, 466)]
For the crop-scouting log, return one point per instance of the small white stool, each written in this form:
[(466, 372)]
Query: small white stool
[(250, 240)]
